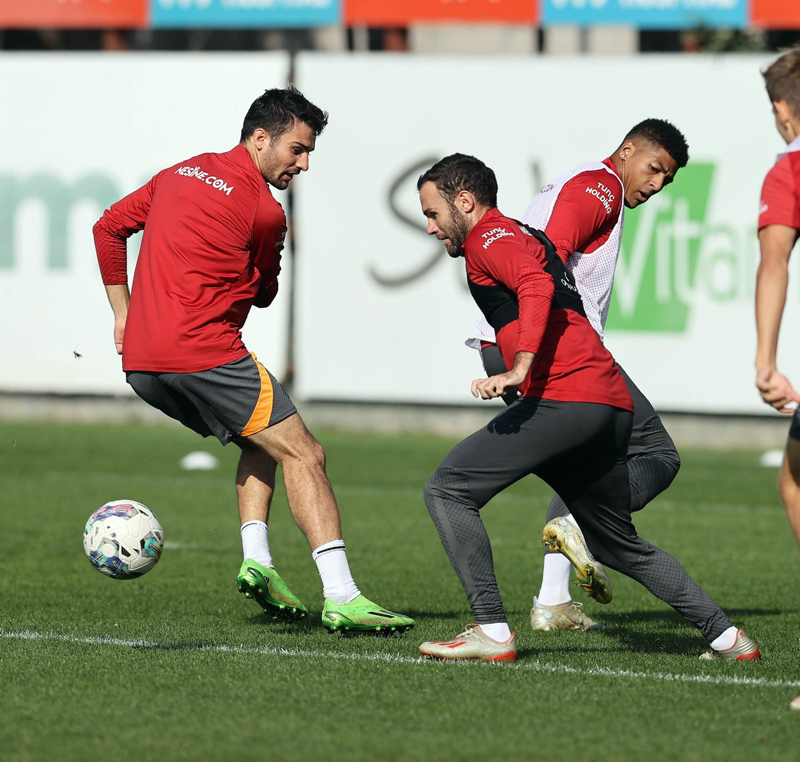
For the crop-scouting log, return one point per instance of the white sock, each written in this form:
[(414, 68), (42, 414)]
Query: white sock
[(555, 580), (726, 640), (255, 543), (498, 631), (337, 581)]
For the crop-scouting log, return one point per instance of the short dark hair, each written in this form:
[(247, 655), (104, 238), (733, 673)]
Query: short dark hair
[(782, 78), (459, 172), (278, 109), (662, 134)]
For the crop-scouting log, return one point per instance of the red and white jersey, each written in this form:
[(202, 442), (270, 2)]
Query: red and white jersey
[(780, 194), (506, 266), (582, 213)]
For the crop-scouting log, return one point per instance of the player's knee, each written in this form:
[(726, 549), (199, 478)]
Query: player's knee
[(304, 449), (318, 454), (661, 447), (672, 460), (446, 483), (310, 452), (665, 450), (432, 489)]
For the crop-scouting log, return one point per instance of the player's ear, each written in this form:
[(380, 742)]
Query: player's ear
[(783, 112), (626, 150), (260, 137), (465, 201)]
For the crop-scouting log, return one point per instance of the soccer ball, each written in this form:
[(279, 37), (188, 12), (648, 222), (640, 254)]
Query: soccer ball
[(123, 539)]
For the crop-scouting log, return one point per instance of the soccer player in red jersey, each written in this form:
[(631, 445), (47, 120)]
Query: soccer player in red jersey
[(570, 425), (582, 212), (778, 230), (211, 250)]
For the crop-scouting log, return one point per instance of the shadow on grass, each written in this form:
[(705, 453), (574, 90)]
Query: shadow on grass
[(285, 626), (678, 636), (622, 617)]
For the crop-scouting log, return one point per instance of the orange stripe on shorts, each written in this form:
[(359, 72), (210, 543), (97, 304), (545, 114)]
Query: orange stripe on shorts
[(259, 420)]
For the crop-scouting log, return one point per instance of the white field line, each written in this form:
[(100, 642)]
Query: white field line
[(524, 666)]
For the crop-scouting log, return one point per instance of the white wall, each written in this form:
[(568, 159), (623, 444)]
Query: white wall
[(90, 128), (683, 304), (78, 133)]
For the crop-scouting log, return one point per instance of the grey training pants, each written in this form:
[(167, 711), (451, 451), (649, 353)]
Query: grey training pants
[(580, 450)]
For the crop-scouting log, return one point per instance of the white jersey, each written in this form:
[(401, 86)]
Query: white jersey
[(594, 272)]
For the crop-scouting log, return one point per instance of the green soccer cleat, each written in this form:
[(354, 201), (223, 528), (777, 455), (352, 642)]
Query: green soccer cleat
[(269, 591), (362, 615), (563, 536)]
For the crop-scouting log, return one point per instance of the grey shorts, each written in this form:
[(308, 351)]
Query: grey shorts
[(237, 399), (794, 429)]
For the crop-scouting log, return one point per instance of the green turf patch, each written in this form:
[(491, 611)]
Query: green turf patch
[(178, 665)]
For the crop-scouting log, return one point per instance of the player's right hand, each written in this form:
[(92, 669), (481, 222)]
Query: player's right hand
[(776, 390), (119, 333), (494, 386)]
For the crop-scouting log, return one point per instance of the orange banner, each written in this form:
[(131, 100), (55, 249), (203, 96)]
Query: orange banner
[(77, 14), (405, 12), (775, 14)]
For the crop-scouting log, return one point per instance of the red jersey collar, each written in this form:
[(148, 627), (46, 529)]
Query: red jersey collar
[(790, 148), (241, 156), (609, 162), (493, 214)]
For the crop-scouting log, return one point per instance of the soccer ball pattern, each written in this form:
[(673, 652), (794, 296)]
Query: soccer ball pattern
[(123, 539)]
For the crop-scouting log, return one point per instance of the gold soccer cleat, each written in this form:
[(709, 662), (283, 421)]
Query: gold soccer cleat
[(563, 536), (565, 616)]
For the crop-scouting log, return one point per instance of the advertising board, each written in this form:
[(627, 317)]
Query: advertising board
[(175, 14), (383, 312), (405, 12), (78, 14), (101, 132), (647, 14)]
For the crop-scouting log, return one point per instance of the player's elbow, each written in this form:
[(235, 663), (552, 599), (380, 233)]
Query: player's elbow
[(538, 285)]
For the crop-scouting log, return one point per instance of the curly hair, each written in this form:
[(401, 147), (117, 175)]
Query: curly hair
[(662, 134)]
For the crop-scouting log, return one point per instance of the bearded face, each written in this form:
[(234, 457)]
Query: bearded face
[(445, 221)]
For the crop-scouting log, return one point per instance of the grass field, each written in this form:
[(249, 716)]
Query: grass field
[(177, 665)]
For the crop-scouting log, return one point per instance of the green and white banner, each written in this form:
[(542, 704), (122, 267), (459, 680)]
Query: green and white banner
[(681, 319), (381, 312)]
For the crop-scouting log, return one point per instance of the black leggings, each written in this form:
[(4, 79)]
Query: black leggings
[(653, 460), (580, 450)]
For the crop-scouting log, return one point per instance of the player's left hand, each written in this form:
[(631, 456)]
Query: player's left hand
[(495, 386)]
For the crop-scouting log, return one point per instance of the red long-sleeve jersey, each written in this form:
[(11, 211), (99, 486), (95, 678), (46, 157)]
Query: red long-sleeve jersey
[(211, 249), (780, 194), (585, 210), (571, 363)]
